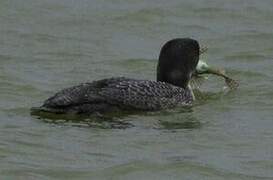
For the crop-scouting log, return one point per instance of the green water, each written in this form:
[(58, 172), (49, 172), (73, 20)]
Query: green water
[(47, 45)]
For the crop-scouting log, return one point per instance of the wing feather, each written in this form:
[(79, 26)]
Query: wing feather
[(122, 92), (144, 94)]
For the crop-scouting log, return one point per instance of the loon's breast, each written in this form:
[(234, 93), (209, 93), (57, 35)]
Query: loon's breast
[(120, 92)]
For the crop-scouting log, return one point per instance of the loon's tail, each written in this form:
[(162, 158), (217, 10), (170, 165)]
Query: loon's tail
[(43, 109), (37, 110), (40, 108)]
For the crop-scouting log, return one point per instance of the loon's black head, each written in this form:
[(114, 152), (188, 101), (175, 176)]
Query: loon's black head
[(177, 61)]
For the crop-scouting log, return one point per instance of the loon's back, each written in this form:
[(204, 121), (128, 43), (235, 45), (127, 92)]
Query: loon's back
[(117, 93)]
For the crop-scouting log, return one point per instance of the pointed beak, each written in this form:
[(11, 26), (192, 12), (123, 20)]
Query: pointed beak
[(204, 68), (215, 71)]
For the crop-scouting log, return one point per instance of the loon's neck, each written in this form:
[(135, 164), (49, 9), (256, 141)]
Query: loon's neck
[(189, 88)]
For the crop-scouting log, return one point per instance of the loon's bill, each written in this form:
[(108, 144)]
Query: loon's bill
[(204, 68)]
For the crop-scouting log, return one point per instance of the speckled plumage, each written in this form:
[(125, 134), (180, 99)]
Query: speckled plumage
[(122, 93), (177, 61)]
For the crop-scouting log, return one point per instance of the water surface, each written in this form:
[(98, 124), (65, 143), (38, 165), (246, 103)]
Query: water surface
[(47, 45)]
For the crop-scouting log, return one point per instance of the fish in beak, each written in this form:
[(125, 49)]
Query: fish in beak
[(204, 68)]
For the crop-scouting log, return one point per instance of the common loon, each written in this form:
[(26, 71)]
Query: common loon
[(177, 63)]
